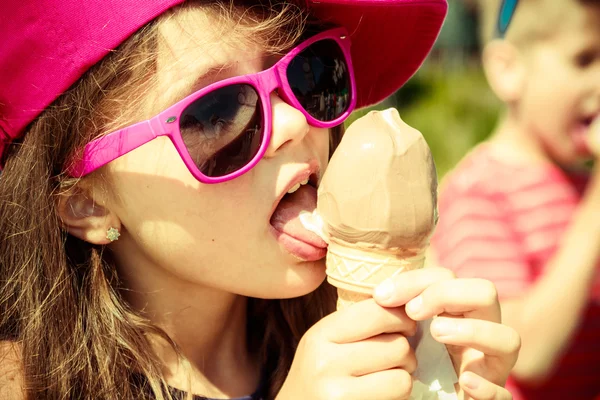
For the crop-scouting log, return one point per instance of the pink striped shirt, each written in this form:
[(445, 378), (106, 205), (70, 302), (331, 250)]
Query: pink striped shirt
[(503, 222)]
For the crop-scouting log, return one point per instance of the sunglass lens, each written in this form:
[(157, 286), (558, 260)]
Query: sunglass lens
[(223, 130), (319, 78)]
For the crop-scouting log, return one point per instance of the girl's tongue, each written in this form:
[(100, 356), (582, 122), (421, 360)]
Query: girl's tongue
[(286, 220)]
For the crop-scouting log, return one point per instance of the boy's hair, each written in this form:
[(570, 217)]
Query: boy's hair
[(532, 21), (59, 296)]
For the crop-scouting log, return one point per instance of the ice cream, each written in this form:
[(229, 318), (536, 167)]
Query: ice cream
[(377, 201), (377, 208)]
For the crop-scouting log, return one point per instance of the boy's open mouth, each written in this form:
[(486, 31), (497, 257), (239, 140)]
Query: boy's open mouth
[(580, 135), (289, 230)]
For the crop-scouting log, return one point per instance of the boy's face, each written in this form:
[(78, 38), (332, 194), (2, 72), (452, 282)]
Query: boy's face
[(561, 93)]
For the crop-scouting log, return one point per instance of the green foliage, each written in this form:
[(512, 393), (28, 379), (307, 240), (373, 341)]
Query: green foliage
[(453, 108)]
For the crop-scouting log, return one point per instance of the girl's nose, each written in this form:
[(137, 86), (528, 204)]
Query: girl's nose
[(289, 125)]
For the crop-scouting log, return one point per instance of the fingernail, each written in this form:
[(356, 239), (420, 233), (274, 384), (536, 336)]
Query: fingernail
[(385, 290), (444, 327), (414, 306), (471, 381)]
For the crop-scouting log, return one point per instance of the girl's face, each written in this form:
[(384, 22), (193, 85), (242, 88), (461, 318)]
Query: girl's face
[(225, 236)]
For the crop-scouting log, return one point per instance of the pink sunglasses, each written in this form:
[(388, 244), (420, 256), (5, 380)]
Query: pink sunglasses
[(223, 130)]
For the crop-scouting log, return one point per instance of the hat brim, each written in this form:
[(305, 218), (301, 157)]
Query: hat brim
[(390, 39)]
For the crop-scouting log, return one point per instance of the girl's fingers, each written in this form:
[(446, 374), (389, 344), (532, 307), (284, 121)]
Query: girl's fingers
[(432, 291), (363, 320), (391, 384), (397, 291), (473, 298), (481, 389), (379, 353), (490, 338)]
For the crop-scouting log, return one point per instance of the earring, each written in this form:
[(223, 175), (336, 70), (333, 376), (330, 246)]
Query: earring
[(112, 234)]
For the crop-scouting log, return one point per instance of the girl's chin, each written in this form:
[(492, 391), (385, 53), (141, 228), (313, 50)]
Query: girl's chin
[(299, 285)]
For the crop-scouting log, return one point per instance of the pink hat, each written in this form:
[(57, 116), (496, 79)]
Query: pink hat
[(47, 45)]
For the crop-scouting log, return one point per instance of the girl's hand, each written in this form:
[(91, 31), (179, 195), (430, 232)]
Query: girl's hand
[(360, 353), (483, 351)]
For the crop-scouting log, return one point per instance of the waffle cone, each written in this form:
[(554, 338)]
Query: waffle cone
[(356, 271)]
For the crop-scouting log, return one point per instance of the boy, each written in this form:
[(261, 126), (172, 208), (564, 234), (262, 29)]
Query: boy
[(521, 210)]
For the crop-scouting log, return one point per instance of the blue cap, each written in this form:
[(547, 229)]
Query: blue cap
[(505, 15)]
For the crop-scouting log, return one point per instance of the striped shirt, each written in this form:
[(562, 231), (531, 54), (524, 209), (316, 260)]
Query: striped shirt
[(503, 222)]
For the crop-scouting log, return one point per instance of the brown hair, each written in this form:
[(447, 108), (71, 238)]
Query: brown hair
[(58, 295)]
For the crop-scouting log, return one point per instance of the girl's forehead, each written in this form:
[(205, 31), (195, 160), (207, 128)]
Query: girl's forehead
[(190, 33), (193, 24), (197, 47)]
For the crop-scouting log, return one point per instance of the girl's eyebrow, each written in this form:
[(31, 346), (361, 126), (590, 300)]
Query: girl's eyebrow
[(219, 72), (212, 75), (198, 81)]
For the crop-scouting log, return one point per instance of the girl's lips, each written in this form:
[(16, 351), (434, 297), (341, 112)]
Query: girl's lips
[(310, 172), (289, 229), (285, 221), (298, 248)]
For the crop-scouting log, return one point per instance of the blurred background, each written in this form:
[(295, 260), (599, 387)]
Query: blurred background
[(448, 99)]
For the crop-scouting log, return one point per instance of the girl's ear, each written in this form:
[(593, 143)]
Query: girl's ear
[(85, 218), (505, 70)]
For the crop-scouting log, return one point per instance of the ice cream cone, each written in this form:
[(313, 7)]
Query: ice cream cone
[(356, 271), (377, 208), (377, 202)]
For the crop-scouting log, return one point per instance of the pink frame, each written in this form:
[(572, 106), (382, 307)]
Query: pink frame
[(116, 144)]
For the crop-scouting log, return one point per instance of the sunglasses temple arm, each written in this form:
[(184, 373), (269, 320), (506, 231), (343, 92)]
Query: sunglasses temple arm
[(114, 145)]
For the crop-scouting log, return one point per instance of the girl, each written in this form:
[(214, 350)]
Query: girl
[(156, 158)]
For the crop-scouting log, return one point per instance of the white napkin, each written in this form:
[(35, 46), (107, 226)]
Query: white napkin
[(435, 376)]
